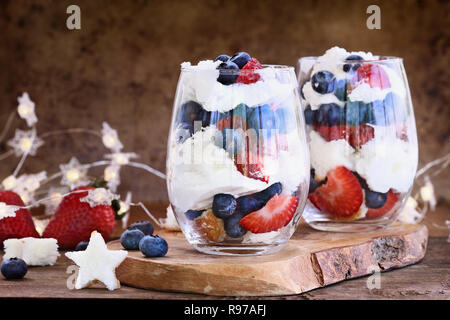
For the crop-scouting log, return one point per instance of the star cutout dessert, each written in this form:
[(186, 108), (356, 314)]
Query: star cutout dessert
[(97, 263)]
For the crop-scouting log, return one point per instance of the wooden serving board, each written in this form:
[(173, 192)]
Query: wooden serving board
[(311, 259)]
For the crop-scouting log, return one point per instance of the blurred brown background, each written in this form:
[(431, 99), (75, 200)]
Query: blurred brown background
[(122, 66)]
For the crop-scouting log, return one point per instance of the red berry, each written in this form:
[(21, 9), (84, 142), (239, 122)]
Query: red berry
[(341, 195), (74, 221), (391, 201), (277, 213), (247, 74), (252, 167), (372, 74), (20, 226), (231, 122), (355, 135)]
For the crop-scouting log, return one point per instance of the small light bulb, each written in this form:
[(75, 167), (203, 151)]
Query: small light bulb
[(411, 203), (26, 144), (73, 175), (109, 141), (9, 182), (24, 110), (124, 207), (110, 173), (426, 193)]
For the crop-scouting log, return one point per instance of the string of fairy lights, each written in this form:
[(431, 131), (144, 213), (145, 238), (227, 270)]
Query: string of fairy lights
[(73, 174), (26, 143)]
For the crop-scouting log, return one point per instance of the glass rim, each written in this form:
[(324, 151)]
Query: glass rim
[(380, 59), (279, 67)]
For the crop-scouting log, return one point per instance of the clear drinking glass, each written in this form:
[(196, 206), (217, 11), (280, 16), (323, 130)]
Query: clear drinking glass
[(238, 161), (363, 142)]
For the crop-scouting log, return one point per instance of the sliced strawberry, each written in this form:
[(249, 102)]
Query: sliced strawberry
[(231, 122), (253, 170), (372, 74), (355, 135), (277, 213), (341, 195), (247, 74), (392, 199)]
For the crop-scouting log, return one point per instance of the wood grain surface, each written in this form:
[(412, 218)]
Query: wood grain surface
[(311, 259)]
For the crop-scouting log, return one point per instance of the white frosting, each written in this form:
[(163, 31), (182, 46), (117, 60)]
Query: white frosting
[(326, 156), (315, 99), (203, 170), (388, 162), (290, 167), (200, 84)]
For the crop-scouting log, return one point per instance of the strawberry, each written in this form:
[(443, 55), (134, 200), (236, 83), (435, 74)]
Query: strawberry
[(355, 135), (231, 122), (252, 166), (247, 75), (392, 199), (74, 221), (20, 226), (372, 74), (341, 195), (277, 213)]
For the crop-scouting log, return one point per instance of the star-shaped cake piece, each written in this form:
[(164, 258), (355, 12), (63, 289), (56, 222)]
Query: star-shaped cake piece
[(97, 263)]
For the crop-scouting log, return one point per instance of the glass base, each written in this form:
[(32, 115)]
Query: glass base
[(348, 226), (238, 249)]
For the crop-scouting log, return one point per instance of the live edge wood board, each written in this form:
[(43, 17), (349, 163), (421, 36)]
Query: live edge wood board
[(311, 259)]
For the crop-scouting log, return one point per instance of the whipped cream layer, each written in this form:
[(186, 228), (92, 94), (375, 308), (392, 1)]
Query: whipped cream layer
[(201, 170), (200, 84), (385, 162)]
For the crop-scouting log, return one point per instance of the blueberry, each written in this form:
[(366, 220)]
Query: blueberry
[(153, 246), (352, 57), (192, 115), (81, 246), (263, 118), (223, 58), (193, 214), (323, 82), (232, 226), (227, 73), (309, 115), (14, 268), (313, 183), (130, 239), (240, 59), (374, 199), (145, 226), (329, 114), (340, 89), (256, 201), (352, 112), (224, 205)]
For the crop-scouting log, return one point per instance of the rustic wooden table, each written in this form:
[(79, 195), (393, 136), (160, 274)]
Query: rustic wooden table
[(428, 279)]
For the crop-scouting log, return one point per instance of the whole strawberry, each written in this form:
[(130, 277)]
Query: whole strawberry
[(21, 225), (74, 220)]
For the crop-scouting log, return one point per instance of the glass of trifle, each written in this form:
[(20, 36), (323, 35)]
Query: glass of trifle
[(362, 136), (238, 161)]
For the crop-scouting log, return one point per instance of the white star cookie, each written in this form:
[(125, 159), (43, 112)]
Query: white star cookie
[(97, 263)]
